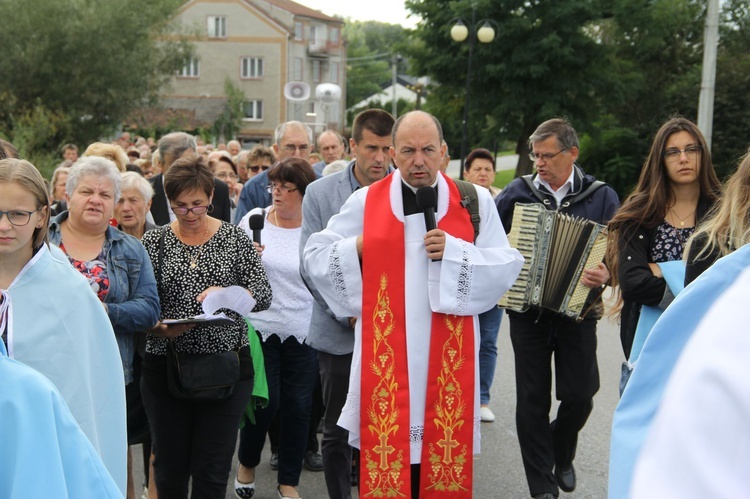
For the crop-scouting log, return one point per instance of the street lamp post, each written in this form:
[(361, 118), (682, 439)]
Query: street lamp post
[(460, 32)]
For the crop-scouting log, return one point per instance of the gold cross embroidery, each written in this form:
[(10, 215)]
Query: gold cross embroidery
[(384, 449), (448, 444)]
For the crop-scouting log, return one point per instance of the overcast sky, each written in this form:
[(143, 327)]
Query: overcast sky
[(389, 11)]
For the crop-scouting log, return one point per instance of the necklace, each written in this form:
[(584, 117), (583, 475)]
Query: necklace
[(276, 221), (194, 258), (681, 220)]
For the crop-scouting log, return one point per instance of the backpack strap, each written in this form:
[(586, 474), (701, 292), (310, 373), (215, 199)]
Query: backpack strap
[(470, 201), (536, 192), (587, 191)]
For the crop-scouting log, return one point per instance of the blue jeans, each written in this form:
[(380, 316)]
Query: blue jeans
[(489, 325), (291, 371)]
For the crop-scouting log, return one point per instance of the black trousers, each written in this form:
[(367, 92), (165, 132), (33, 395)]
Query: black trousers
[(193, 439), (337, 453), (291, 370), (536, 338)]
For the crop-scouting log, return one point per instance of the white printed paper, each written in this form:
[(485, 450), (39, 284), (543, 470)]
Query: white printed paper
[(233, 297)]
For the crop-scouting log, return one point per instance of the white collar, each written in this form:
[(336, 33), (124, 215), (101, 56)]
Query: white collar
[(569, 182)]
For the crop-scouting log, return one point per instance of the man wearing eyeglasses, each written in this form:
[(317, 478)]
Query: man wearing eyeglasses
[(548, 449), (292, 139)]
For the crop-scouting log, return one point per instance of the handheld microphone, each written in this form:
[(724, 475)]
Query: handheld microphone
[(256, 225), (427, 203)]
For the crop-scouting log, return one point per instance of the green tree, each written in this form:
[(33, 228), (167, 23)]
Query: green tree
[(544, 62), (370, 47), (74, 69), (229, 122), (731, 131), (655, 48)]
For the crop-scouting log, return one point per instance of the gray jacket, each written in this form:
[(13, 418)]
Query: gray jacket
[(323, 199)]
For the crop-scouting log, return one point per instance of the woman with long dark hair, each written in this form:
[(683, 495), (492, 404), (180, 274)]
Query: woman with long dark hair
[(676, 189)]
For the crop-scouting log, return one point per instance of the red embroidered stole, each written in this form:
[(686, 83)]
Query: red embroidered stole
[(447, 445)]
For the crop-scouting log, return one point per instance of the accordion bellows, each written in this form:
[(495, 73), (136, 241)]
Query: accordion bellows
[(557, 248)]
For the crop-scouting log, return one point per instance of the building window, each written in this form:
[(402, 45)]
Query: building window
[(333, 36), (334, 72), (254, 110), (191, 69), (312, 34), (298, 69), (217, 26), (298, 30), (316, 71), (251, 67)]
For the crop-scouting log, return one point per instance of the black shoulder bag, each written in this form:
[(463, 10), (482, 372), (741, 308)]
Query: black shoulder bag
[(195, 376)]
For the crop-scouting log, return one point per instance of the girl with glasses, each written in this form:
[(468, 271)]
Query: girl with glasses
[(52, 322)]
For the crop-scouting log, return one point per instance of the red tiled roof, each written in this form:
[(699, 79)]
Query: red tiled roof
[(302, 10)]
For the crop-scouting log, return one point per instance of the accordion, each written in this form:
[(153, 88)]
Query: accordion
[(557, 248)]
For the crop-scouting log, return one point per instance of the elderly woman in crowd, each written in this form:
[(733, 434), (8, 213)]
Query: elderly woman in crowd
[(259, 159), (115, 264), (132, 208), (291, 365), (57, 189), (226, 171), (197, 258), (51, 321)]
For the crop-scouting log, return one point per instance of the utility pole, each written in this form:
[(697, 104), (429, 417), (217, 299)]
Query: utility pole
[(394, 70), (708, 80)]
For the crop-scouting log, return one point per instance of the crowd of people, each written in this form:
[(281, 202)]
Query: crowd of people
[(196, 296)]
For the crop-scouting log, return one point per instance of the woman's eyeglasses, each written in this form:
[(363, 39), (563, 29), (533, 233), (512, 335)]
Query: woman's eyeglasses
[(226, 175), (673, 154), (17, 218), (195, 210), (273, 187)]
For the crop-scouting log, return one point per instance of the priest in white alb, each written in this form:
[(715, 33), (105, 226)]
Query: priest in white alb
[(413, 393)]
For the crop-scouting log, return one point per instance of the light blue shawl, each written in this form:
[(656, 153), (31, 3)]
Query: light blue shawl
[(43, 452), (660, 352), (58, 327)]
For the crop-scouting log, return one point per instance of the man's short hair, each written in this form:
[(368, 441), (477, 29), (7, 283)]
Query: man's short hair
[(401, 119), (557, 127), (375, 121), (278, 134), (69, 146)]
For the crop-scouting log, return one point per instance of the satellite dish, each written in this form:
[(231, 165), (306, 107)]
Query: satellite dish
[(297, 91), (328, 93)]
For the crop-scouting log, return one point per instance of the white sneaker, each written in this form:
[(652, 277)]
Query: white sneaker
[(486, 415)]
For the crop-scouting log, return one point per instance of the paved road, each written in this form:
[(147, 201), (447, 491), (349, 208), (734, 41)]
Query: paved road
[(498, 470)]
